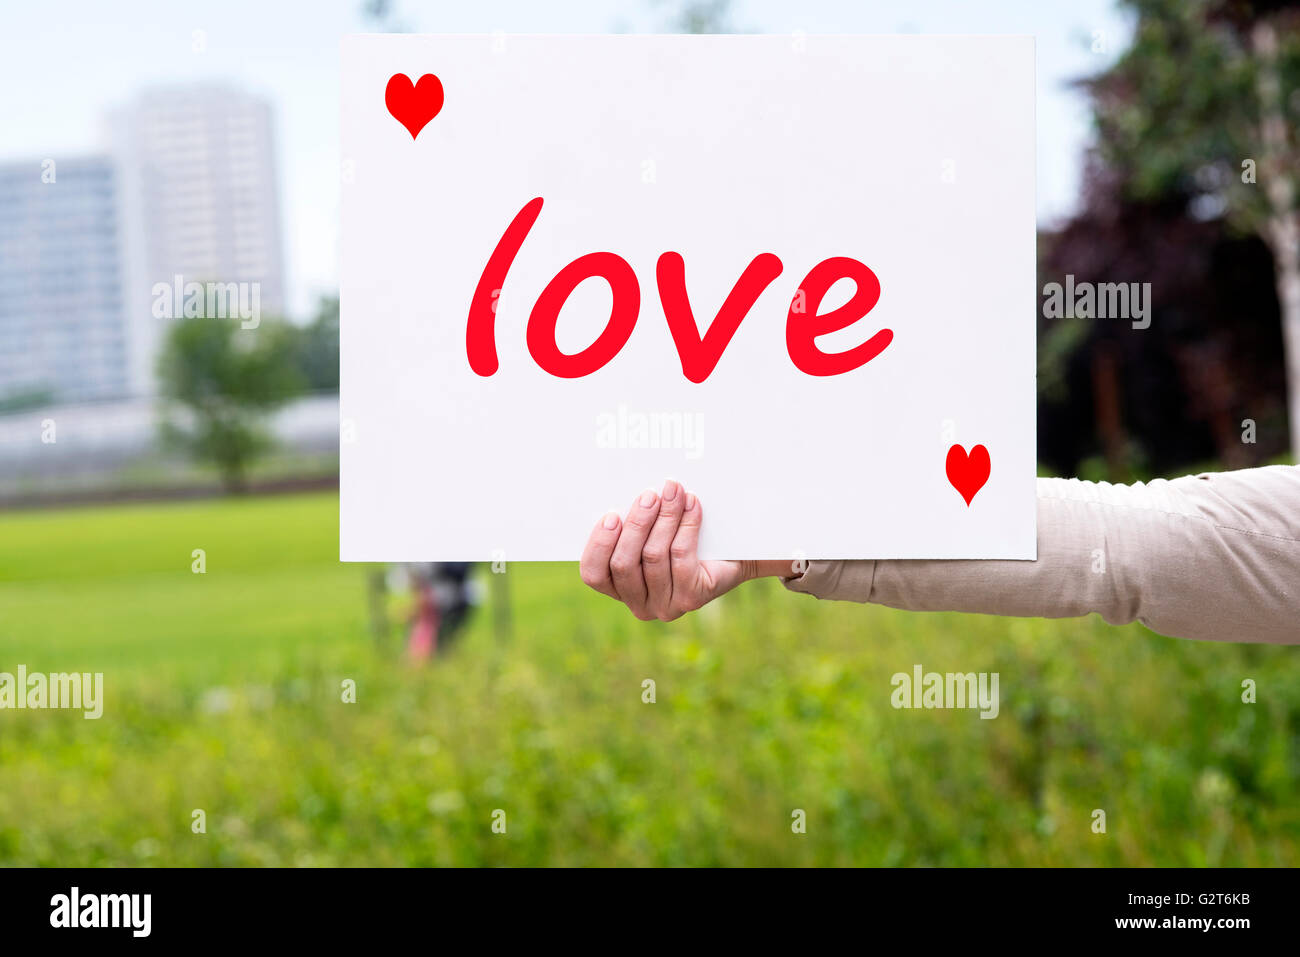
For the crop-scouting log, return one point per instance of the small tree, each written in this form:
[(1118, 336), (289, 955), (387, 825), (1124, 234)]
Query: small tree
[(219, 382), (316, 348)]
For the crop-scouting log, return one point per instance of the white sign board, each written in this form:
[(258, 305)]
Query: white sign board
[(794, 273)]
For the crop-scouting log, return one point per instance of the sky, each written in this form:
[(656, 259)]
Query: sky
[(63, 63)]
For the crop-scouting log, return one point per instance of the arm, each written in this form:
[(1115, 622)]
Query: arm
[(1209, 556), (1212, 556)]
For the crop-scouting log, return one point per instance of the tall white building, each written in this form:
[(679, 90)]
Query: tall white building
[(188, 190), (62, 285), (200, 201)]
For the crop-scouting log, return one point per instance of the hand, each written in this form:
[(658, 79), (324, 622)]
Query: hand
[(649, 560)]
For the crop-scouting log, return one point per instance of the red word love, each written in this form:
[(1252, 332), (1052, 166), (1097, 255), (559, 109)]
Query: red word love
[(699, 355)]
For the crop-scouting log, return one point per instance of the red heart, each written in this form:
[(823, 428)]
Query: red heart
[(413, 105), (968, 473)]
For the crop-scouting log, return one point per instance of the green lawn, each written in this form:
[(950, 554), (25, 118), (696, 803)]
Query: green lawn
[(223, 694)]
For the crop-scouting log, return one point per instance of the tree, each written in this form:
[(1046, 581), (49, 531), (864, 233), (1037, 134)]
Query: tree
[(704, 16), (1204, 105), (1120, 404), (219, 382), (316, 348)]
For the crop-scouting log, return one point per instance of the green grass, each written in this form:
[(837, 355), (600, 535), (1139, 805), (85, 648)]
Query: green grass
[(223, 694)]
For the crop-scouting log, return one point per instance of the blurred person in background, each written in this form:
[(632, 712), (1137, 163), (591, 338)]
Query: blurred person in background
[(442, 597), (442, 602)]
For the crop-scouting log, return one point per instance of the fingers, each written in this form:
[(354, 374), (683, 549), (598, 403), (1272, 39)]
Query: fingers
[(649, 561), (684, 553), (655, 554), (625, 564), (594, 566)]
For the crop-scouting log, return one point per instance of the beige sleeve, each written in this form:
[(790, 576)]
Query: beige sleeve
[(1213, 556)]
